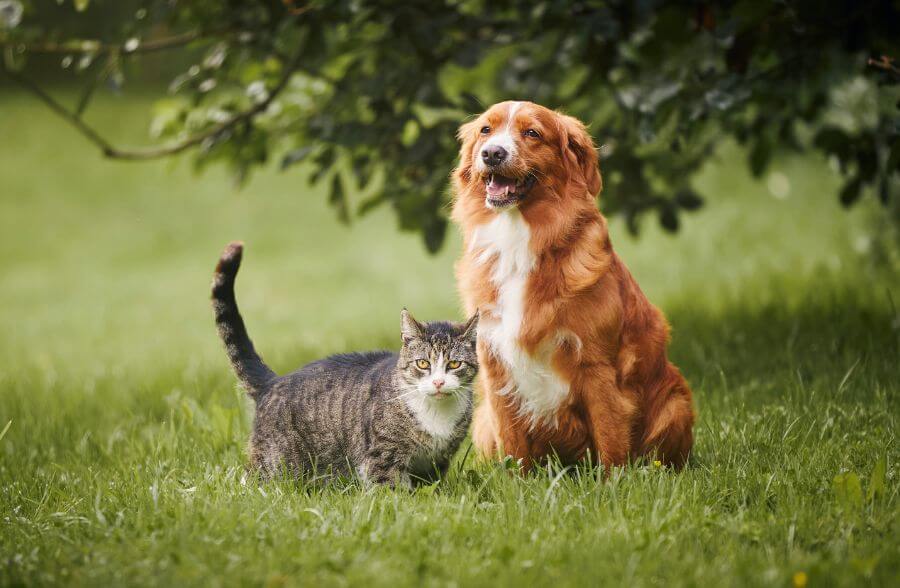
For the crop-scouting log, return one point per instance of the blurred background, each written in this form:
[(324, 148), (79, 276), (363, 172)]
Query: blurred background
[(741, 142)]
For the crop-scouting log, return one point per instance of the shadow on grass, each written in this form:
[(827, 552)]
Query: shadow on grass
[(820, 338)]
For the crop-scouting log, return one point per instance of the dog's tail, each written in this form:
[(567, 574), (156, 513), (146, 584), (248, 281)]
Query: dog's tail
[(249, 367)]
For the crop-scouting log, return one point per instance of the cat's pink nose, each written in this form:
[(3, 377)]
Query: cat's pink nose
[(438, 383)]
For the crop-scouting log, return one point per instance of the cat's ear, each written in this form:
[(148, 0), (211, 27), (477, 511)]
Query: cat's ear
[(470, 329), (409, 327)]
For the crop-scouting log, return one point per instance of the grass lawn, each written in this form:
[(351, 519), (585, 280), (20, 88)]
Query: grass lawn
[(123, 459)]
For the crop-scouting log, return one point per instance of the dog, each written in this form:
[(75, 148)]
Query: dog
[(573, 354)]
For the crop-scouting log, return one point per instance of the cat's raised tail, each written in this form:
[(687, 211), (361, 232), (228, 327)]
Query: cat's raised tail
[(249, 367)]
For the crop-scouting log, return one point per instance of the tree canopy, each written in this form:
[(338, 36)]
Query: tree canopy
[(369, 93)]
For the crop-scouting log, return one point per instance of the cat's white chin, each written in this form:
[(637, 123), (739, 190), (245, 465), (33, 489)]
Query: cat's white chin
[(439, 416)]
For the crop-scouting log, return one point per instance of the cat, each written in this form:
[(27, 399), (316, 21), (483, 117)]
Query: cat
[(388, 418)]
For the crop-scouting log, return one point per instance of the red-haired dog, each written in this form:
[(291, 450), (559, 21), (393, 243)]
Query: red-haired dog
[(573, 355)]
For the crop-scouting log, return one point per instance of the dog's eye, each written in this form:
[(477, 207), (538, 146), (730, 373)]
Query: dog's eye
[(452, 365), (531, 133), (485, 130), (423, 364)]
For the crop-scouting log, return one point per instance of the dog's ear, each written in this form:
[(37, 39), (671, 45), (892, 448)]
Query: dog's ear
[(468, 131), (580, 153), (467, 135)]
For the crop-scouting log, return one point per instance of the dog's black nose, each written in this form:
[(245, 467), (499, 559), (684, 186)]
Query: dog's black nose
[(493, 155)]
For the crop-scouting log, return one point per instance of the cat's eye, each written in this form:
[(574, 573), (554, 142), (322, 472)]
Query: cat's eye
[(452, 365), (485, 130), (423, 364)]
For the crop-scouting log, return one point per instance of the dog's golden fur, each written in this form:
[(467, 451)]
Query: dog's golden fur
[(583, 312)]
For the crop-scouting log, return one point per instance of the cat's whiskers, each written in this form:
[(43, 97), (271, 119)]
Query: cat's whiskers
[(456, 392), (409, 391)]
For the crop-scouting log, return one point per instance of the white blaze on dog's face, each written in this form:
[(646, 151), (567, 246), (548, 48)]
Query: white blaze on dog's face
[(518, 150), (499, 141)]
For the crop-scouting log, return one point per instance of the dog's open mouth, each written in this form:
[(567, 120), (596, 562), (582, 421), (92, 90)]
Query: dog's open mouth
[(503, 191)]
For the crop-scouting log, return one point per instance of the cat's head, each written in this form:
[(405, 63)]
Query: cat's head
[(438, 360)]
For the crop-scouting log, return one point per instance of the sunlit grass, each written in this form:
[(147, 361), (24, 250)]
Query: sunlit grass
[(123, 462)]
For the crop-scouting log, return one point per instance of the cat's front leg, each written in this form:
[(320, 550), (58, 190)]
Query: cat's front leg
[(437, 471), (395, 478), (386, 468)]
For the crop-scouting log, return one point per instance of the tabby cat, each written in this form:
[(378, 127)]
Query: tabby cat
[(390, 418)]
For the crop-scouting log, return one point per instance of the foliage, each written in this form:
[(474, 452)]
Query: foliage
[(371, 92)]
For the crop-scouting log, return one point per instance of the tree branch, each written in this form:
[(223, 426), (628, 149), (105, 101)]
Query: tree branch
[(99, 47), (294, 10), (138, 154), (885, 64)]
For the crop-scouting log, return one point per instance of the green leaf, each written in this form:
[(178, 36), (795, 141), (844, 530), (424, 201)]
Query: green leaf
[(362, 169), (371, 203), (410, 133), (688, 199), (867, 161), (668, 218), (760, 156), (168, 117), (893, 162), (12, 60), (81, 5), (631, 221), (324, 161), (433, 233), (848, 490), (338, 199), (295, 156), (834, 141), (877, 486), (884, 190), (851, 191)]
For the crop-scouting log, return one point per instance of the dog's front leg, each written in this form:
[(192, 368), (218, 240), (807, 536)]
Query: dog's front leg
[(498, 427), (510, 428), (513, 431), (611, 414)]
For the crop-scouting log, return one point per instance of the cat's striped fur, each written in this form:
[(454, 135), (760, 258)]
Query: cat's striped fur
[(377, 414)]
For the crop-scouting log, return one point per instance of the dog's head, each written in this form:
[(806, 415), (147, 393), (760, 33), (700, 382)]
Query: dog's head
[(516, 152)]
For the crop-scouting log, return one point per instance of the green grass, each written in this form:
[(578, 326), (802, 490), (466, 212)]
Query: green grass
[(124, 459)]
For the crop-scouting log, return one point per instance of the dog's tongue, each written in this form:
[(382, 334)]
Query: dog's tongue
[(500, 185)]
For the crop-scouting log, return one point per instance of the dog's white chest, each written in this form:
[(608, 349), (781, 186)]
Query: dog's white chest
[(505, 242)]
